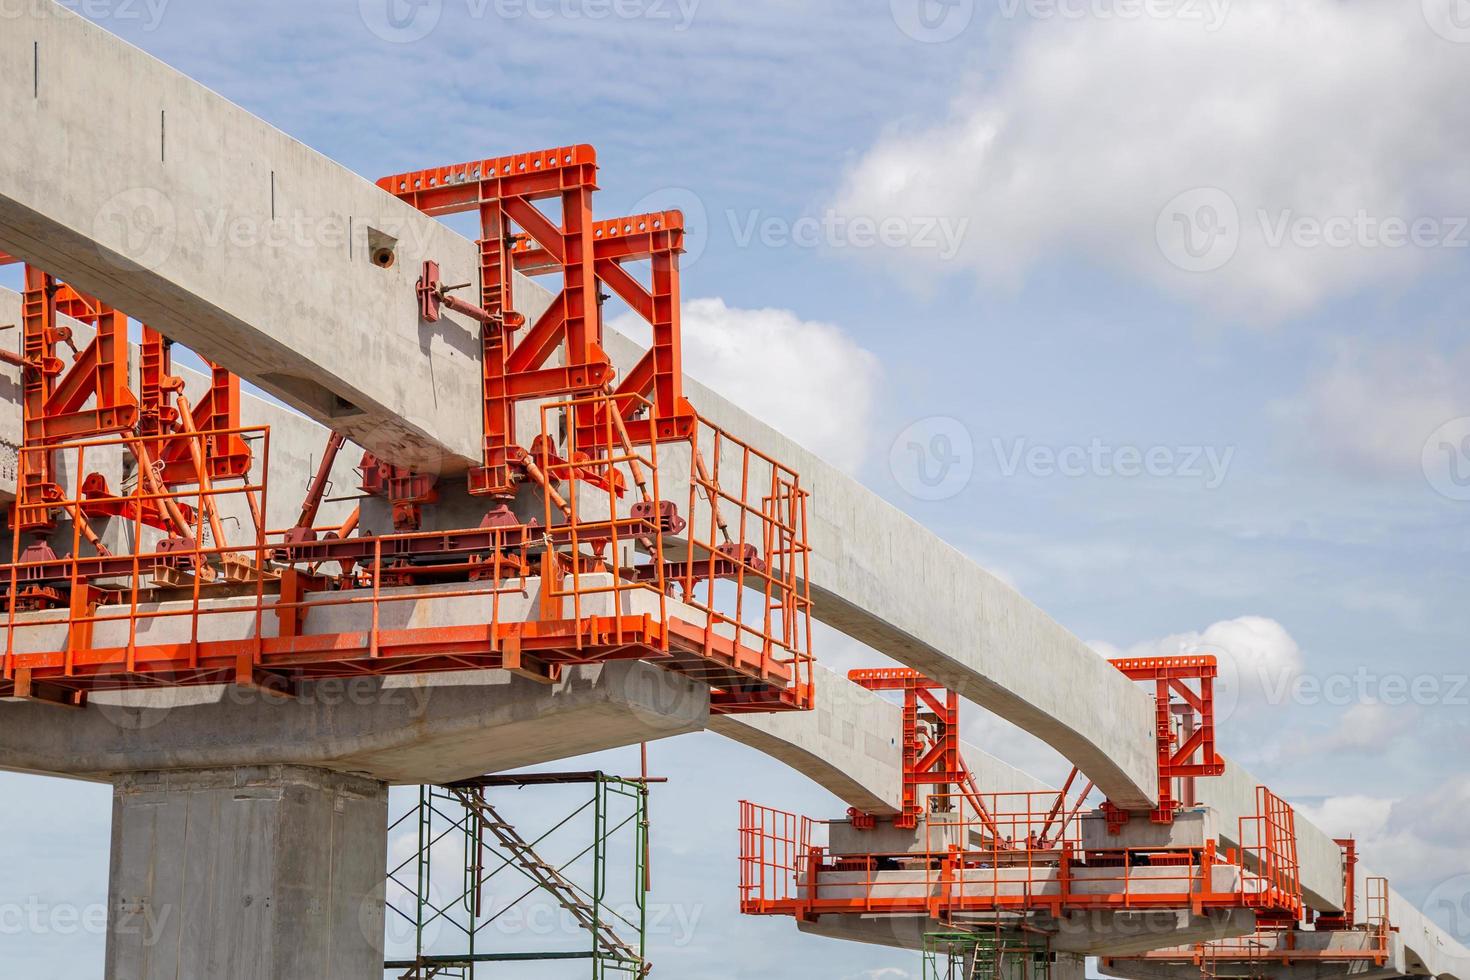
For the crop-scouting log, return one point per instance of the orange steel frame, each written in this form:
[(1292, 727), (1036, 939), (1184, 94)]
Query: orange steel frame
[(754, 662), (504, 191), (92, 397), (936, 761), (739, 572), (1180, 759), (965, 869)]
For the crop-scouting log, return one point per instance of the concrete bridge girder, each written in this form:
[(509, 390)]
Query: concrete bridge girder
[(410, 390), (187, 159)]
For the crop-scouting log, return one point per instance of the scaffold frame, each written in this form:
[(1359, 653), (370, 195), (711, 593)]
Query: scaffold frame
[(459, 818)]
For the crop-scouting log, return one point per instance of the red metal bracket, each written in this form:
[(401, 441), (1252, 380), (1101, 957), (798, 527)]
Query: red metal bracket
[(505, 191), (1189, 753), (933, 761)]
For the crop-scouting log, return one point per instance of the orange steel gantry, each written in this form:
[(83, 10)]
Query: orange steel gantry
[(710, 582), (982, 859)]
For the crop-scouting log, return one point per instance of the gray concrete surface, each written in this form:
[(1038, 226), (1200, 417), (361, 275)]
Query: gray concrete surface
[(227, 234), (410, 389), (1086, 934), (274, 873), (1234, 964), (144, 234), (408, 729)]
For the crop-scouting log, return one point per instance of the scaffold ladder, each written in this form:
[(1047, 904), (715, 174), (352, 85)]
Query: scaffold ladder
[(548, 878)]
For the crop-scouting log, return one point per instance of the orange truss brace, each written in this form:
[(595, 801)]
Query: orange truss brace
[(934, 761), (659, 375), (218, 410), (92, 397), (55, 398), (505, 192), (1190, 753)]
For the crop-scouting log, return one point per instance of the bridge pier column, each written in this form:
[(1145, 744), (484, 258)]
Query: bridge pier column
[(255, 873)]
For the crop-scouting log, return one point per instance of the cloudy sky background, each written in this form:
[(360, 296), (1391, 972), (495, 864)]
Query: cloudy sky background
[(1157, 312)]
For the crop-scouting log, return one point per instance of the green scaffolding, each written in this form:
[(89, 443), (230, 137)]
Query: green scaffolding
[(590, 868), (985, 956)]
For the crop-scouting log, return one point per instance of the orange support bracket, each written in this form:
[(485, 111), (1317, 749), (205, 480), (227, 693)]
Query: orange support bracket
[(933, 762), (1188, 753), (504, 191)]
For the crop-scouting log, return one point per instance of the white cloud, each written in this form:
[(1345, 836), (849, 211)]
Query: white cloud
[(1371, 411), (1259, 660), (1367, 728), (1314, 110), (1349, 816), (806, 378), (1421, 842)]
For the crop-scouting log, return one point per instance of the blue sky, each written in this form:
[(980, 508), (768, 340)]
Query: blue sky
[(1185, 232)]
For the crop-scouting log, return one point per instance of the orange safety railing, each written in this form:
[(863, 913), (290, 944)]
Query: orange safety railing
[(959, 865), (196, 608), (176, 544), (1268, 853), (775, 850)]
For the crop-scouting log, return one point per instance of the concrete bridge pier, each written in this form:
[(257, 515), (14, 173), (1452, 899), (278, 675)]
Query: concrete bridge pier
[(251, 872)]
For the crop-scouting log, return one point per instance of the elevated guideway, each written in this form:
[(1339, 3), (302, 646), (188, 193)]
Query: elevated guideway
[(291, 314)]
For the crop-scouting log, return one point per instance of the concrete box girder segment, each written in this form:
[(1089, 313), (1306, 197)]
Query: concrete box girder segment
[(215, 264), (141, 186), (405, 729), (314, 321)]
